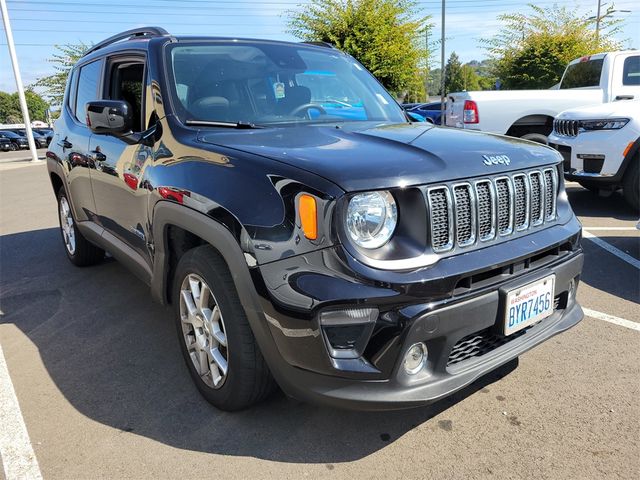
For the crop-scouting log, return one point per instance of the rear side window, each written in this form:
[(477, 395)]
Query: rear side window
[(583, 74), (88, 81), (631, 71)]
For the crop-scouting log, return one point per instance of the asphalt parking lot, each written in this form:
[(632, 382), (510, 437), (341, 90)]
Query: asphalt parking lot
[(104, 393)]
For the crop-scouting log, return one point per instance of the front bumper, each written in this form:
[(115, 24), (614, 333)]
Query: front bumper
[(609, 145), (398, 393), (442, 315)]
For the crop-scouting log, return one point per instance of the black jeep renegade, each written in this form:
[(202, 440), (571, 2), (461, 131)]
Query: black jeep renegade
[(306, 233)]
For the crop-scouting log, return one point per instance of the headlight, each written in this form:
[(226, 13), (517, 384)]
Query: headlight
[(371, 219), (604, 124)]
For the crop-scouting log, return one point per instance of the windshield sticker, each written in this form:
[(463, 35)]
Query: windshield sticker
[(278, 90)]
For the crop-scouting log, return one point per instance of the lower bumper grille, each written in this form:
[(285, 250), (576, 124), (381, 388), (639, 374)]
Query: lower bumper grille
[(487, 340)]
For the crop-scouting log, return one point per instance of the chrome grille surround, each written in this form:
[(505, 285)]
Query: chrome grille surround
[(537, 197), (505, 203), (441, 218), (551, 193), (486, 202), (463, 214), (566, 128), (522, 192)]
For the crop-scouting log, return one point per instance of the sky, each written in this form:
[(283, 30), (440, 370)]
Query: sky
[(38, 25)]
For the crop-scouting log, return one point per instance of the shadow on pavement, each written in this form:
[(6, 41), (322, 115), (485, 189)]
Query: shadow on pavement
[(588, 204), (607, 273), (114, 355)]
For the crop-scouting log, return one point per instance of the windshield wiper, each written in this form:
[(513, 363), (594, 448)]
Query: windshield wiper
[(238, 125)]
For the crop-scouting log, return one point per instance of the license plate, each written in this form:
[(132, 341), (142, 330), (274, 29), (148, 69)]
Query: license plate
[(529, 304)]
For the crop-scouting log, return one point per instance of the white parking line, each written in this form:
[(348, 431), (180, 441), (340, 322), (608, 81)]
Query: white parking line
[(18, 459), (611, 319), (616, 229), (611, 249)]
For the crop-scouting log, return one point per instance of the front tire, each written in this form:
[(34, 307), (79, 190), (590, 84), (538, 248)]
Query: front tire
[(631, 184), (216, 340), (79, 250)]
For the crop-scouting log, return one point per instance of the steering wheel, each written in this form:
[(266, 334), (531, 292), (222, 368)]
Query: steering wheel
[(305, 107)]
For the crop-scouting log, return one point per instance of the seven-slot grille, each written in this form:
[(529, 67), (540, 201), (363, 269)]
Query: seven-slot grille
[(566, 128), (464, 213)]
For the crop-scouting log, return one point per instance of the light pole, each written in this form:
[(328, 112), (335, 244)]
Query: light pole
[(426, 64), (442, 69), (16, 72), (598, 18)]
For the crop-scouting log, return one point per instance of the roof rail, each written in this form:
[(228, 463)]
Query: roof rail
[(135, 32), (321, 44)]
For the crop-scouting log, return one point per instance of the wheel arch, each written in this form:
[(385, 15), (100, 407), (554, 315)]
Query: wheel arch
[(176, 229), (169, 215), (634, 152), (56, 182), (537, 123)]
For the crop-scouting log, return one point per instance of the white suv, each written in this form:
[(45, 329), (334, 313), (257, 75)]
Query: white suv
[(600, 145)]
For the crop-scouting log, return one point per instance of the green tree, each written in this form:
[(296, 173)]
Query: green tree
[(63, 60), (532, 49), (453, 77), (383, 35), (483, 69), (10, 111), (470, 79)]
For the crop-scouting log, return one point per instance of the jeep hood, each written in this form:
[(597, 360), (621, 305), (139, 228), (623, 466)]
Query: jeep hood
[(366, 157)]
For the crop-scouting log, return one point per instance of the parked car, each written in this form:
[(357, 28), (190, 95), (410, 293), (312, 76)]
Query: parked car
[(17, 141), (40, 140), (430, 111), (5, 144), (600, 145), (371, 262), (45, 132), (529, 114)]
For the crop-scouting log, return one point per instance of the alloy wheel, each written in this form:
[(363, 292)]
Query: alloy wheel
[(67, 227), (203, 331)]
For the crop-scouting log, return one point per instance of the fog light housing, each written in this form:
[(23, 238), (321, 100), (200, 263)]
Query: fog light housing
[(416, 358), (347, 332)]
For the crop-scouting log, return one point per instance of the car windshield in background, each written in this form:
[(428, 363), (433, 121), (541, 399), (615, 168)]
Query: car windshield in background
[(583, 74), (265, 84), (10, 134)]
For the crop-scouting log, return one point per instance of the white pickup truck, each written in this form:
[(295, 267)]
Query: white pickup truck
[(591, 80)]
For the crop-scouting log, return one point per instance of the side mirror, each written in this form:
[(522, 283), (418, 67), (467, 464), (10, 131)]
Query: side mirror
[(109, 117)]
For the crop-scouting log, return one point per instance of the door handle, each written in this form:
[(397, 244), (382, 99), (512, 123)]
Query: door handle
[(65, 144), (99, 156)]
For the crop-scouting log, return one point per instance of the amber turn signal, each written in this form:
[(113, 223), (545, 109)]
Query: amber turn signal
[(308, 216)]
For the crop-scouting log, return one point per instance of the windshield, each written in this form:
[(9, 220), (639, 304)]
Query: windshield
[(582, 74), (267, 84), (10, 134)]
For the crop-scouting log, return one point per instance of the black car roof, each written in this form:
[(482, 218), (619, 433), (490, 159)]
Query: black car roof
[(140, 38)]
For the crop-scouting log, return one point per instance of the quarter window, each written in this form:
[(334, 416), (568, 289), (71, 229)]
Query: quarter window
[(71, 90), (88, 81)]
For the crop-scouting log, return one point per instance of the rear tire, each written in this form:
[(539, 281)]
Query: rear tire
[(215, 338), (536, 137), (631, 184), (79, 250)]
